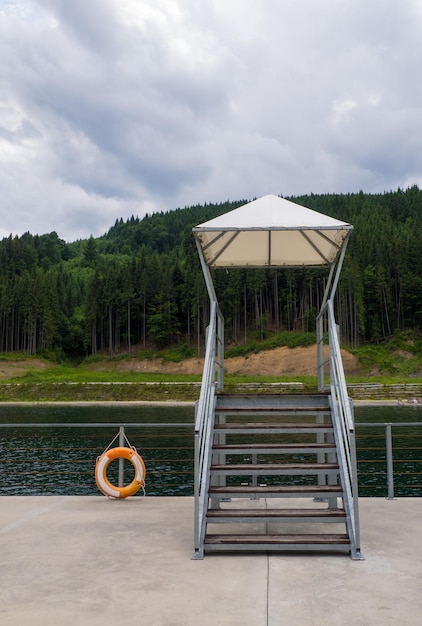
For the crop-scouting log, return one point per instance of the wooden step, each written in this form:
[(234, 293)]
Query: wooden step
[(275, 491), (263, 428), (259, 541), (273, 448), (273, 410), (316, 402), (298, 539), (226, 396), (215, 516), (279, 469)]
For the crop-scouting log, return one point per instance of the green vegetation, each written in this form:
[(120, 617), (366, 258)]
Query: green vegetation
[(140, 287), (86, 392), (399, 356), (292, 339), (60, 374)]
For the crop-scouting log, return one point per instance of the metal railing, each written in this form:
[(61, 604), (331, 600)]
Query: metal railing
[(343, 423), (390, 460), (389, 457), (204, 420), (61, 457)]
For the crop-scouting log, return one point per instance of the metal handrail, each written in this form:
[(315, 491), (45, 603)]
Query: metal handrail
[(204, 421), (343, 423)]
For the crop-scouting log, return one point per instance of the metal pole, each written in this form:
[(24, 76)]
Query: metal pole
[(327, 287), (355, 486), (389, 457), (206, 272), (196, 494), (339, 266), (220, 350), (320, 353), (121, 461)]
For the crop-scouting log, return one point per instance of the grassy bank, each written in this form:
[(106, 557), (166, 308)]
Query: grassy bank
[(97, 392), (69, 385), (392, 368)]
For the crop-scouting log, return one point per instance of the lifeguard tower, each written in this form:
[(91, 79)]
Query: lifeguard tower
[(276, 471)]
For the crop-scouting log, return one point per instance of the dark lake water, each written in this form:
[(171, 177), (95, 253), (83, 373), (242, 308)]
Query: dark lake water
[(60, 460)]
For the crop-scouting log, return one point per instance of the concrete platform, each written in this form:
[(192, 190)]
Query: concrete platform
[(76, 561)]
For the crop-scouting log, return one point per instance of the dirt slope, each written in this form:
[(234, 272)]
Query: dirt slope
[(10, 369), (277, 362)]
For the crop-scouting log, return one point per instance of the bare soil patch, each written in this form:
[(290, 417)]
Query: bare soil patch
[(10, 369), (277, 362)]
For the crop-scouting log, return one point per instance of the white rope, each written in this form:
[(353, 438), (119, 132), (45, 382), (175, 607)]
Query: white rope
[(129, 445)]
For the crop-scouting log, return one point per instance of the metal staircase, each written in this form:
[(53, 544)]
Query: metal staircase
[(277, 471), (269, 454)]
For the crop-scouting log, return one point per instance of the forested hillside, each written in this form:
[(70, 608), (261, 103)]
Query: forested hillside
[(141, 283)]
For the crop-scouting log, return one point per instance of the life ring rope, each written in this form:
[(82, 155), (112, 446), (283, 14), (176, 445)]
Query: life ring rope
[(129, 445), (120, 452)]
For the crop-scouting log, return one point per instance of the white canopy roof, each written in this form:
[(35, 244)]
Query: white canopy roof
[(271, 232)]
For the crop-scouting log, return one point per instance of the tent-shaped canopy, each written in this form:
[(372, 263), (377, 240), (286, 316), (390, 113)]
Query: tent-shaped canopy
[(271, 232)]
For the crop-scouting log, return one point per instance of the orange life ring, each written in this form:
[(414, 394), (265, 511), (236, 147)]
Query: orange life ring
[(101, 472)]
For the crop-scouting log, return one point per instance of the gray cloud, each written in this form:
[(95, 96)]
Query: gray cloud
[(111, 108)]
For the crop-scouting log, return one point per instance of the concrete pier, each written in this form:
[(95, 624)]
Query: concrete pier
[(76, 561)]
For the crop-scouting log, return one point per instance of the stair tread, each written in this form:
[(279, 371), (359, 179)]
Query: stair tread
[(274, 466), (271, 409), (263, 425), (323, 539), (274, 446), (227, 395), (290, 394), (323, 489), (269, 513)]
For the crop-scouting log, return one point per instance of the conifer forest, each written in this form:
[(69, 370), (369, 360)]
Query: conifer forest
[(141, 285)]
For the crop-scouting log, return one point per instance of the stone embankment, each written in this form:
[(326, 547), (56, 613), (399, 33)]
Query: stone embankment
[(406, 393)]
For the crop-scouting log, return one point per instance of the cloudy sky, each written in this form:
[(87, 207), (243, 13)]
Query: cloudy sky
[(110, 108)]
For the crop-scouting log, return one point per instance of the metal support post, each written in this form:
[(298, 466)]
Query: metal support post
[(320, 352), (121, 460), (355, 488), (220, 351), (389, 458), (254, 461), (320, 438)]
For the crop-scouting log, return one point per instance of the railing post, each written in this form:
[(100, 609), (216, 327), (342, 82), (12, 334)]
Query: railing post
[(355, 489), (320, 352), (121, 461), (389, 458), (196, 494), (220, 350)]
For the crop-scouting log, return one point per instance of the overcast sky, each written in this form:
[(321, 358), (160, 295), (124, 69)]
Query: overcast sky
[(110, 108)]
